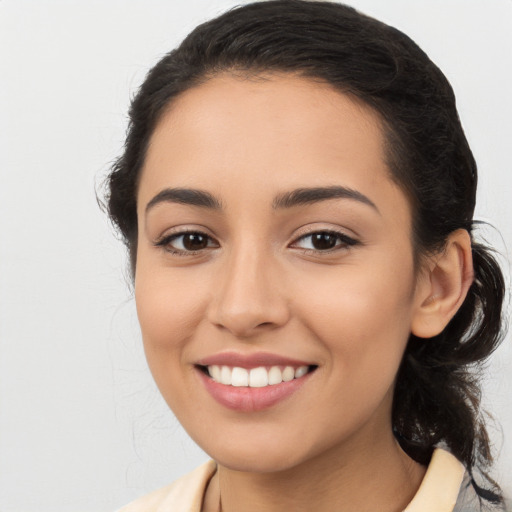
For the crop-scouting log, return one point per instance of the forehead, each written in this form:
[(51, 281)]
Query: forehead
[(258, 109), (273, 132)]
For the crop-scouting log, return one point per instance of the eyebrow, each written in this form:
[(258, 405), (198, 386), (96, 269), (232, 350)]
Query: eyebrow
[(297, 197), (316, 194), (190, 196)]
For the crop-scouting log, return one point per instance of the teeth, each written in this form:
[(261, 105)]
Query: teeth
[(239, 377), (288, 374), (256, 377), (215, 372), (275, 375), (301, 371), (225, 375)]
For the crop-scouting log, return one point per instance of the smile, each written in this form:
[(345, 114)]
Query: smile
[(259, 377), (250, 383)]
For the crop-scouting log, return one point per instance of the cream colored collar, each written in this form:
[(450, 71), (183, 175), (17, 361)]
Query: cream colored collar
[(437, 493), (440, 486)]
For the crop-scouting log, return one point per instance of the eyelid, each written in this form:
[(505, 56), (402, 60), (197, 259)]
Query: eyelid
[(165, 240), (347, 240)]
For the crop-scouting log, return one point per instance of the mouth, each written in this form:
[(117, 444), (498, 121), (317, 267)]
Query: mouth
[(250, 383), (258, 377)]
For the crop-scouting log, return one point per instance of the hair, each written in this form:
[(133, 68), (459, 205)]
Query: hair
[(437, 393)]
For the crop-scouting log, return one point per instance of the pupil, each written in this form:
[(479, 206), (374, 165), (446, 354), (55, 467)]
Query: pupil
[(194, 241), (324, 241)]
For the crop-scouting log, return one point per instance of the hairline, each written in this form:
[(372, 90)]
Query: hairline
[(389, 137)]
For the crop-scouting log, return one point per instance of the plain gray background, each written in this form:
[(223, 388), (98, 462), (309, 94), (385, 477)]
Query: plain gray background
[(82, 426)]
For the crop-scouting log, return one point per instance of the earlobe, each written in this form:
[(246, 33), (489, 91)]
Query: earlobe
[(444, 286)]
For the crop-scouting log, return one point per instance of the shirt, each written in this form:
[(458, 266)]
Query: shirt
[(444, 488)]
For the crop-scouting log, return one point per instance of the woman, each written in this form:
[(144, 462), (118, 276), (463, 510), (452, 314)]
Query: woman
[(297, 197)]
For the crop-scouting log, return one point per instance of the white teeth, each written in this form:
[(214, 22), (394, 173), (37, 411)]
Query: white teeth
[(301, 371), (288, 374), (239, 377), (275, 375), (214, 372), (225, 375), (256, 377)]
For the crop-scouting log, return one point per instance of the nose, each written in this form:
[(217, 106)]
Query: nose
[(249, 297)]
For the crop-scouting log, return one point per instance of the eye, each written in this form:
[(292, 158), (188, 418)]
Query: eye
[(186, 242), (324, 241)]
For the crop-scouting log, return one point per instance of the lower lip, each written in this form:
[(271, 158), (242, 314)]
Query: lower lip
[(246, 399)]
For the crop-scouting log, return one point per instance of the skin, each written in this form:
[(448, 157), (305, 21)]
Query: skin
[(260, 285)]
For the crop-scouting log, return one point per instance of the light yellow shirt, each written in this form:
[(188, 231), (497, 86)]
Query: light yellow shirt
[(438, 491)]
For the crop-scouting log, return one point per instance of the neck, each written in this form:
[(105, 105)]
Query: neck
[(384, 478)]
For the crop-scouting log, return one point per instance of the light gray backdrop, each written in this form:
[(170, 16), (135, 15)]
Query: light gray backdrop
[(82, 427)]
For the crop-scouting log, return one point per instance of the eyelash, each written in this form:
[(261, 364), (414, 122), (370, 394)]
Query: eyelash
[(165, 242), (346, 242)]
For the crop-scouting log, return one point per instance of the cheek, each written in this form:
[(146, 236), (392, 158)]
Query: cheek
[(168, 313), (169, 308), (363, 318), (364, 331)]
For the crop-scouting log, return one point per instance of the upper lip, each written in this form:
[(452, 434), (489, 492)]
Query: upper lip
[(249, 361)]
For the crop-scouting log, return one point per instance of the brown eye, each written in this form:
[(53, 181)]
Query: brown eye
[(324, 241), (188, 242), (194, 241)]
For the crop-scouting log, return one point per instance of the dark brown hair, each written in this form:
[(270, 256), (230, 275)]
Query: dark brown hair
[(437, 394)]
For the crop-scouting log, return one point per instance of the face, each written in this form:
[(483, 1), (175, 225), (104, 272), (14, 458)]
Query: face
[(275, 283)]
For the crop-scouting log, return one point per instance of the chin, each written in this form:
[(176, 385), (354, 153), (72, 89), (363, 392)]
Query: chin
[(253, 461), (262, 452)]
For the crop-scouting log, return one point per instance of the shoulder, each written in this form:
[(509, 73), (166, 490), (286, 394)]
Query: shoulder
[(447, 487), (187, 491), (441, 484), (469, 500)]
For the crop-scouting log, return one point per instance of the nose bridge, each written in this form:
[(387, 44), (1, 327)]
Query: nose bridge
[(249, 294)]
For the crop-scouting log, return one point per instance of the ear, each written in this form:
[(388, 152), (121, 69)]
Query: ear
[(443, 286)]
